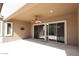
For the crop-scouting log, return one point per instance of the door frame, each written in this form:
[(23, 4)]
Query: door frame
[(65, 26), (65, 30)]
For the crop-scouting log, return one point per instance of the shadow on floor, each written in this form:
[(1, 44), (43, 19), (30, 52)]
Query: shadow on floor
[(69, 50)]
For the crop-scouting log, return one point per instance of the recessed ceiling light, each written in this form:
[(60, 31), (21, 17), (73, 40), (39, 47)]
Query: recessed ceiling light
[(51, 11)]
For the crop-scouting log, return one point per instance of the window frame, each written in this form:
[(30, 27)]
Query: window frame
[(6, 26)]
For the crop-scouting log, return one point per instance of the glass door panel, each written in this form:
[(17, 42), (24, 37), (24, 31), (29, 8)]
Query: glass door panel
[(41, 31), (52, 32), (36, 32), (60, 32)]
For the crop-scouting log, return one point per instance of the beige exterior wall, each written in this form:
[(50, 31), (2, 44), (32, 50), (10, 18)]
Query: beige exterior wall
[(72, 27), (17, 32)]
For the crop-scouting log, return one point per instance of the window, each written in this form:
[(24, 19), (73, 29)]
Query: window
[(8, 30), (1, 28)]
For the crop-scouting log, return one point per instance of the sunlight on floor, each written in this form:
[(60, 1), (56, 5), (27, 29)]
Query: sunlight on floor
[(30, 50)]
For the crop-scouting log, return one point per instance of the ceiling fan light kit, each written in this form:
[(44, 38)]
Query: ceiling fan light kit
[(36, 20)]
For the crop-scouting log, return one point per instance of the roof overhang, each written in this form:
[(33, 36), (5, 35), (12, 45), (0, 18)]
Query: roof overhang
[(28, 12)]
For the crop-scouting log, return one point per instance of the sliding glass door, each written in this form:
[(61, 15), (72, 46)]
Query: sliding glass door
[(51, 31), (56, 32), (39, 31)]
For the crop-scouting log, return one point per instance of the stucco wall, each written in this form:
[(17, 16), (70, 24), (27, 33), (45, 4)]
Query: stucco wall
[(17, 32), (72, 26)]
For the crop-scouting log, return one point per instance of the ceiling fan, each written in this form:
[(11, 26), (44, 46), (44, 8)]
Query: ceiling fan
[(36, 20)]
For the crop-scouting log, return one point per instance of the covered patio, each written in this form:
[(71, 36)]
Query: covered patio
[(60, 19), (41, 31)]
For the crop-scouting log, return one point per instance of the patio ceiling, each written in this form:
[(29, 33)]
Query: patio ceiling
[(27, 13)]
